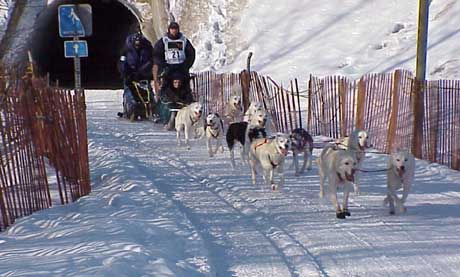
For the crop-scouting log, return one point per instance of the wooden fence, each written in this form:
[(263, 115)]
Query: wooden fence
[(334, 106), (40, 127)]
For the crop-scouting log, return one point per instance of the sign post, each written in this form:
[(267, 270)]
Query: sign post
[(77, 67), (75, 21)]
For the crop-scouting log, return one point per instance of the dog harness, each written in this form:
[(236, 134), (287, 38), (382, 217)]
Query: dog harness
[(214, 129), (301, 145), (174, 50), (340, 177), (271, 162), (260, 144), (193, 121)]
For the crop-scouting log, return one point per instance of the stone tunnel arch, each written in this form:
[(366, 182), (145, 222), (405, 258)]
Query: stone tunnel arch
[(113, 20)]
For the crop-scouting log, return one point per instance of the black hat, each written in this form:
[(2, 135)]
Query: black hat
[(173, 25)]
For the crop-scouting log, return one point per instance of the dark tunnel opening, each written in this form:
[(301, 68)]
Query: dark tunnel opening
[(112, 22)]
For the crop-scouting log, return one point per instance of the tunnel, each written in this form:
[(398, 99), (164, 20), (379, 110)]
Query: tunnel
[(112, 22)]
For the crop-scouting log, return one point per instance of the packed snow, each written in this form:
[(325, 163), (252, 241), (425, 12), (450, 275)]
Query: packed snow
[(159, 210)]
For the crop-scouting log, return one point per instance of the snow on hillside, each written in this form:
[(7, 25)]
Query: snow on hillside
[(6, 7), (158, 210), (295, 38)]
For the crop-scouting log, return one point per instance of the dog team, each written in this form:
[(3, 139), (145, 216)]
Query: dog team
[(340, 162)]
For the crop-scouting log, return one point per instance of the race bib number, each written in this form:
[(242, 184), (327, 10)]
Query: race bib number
[(175, 52)]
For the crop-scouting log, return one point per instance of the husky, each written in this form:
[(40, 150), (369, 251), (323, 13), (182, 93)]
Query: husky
[(302, 142), (188, 119), (338, 166), (214, 128), (400, 174), (233, 110), (244, 133), (270, 155), (357, 142), (253, 108)]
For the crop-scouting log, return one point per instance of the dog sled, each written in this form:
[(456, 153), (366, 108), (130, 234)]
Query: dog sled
[(137, 101)]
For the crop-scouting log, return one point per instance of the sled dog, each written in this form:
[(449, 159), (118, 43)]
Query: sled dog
[(214, 128), (253, 108), (301, 142), (269, 154), (357, 143), (338, 166), (233, 110), (400, 175), (244, 133), (188, 119)]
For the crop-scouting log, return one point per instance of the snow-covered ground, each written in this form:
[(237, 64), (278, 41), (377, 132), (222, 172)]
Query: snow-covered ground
[(157, 210), (293, 38)]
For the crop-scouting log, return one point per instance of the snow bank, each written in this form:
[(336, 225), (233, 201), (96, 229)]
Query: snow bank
[(295, 38)]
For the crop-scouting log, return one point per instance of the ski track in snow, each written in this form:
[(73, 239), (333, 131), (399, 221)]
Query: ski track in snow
[(173, 212)]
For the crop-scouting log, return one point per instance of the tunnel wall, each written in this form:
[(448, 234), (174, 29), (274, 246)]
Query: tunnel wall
[(113, 20)]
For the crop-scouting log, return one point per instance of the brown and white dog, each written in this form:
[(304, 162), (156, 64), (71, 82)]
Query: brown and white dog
[(400, 175), (188, 119), (233, 110), (338, 167), (269, 154), (302, 142), (357, 143), (214, 129)]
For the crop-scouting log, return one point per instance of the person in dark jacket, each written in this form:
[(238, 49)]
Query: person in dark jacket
[(173, 97), (135, 66), (172, 53)]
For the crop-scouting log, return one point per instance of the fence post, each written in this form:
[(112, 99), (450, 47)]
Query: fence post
[(418, 112), (245, 85), (394, 111), (360, 106)]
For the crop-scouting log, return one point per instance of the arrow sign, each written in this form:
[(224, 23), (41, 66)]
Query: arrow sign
[(75, 20), (75, 48)]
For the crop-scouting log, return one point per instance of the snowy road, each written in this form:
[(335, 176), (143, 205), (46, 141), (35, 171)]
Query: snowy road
[(157, 210)]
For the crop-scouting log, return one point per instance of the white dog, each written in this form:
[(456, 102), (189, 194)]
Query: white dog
[(338, 167), (253, 108), (400, 174), (214, 131), (357, 142), (245, 133), (233, 110), (188, 119), (270, 155)]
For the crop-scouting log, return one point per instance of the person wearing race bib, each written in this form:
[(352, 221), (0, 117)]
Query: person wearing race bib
[(172, 53)]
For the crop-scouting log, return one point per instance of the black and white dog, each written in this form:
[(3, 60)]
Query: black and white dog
[(245, 133), (301, 142), (214, 129)]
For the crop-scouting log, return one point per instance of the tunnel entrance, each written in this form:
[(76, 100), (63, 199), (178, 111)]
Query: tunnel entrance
[(112, 22)]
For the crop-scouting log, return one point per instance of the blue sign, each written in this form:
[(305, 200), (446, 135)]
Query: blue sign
[(75, 48), (75, 20)]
